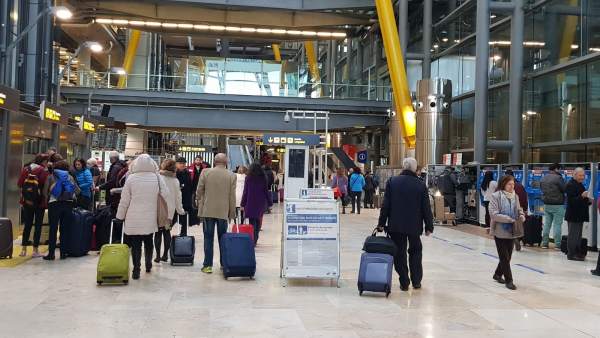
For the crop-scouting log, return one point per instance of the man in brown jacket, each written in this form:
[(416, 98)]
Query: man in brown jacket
[(215, 198)]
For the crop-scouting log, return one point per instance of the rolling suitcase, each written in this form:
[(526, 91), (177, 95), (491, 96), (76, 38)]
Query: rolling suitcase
[(532, 230), (183, 248), (237, 253), (81, 230), (583, 246), (6, 238), (274, 195), (113, 262), (375, 273), (243, 229)]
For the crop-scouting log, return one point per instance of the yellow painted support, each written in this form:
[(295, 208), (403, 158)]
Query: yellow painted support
[(276, 52), (569, 31), (128, 60), (402, 99), (313, 67)]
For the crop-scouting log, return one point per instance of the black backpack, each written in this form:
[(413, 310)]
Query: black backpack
[(30, 190)]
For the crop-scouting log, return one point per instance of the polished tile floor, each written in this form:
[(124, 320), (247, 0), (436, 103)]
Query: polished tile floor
[(556, 298)]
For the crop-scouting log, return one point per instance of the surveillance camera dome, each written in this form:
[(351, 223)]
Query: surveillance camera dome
[(286, 118), (446, 105), (420, 105)]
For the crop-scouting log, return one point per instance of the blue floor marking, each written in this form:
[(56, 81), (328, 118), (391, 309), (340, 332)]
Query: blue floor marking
[(489, 255)]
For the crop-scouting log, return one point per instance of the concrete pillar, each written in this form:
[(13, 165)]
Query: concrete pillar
[(396, 145), (403, 26), (482, 56), (34, 70), (138, 77), (427, 32), (515, 105)]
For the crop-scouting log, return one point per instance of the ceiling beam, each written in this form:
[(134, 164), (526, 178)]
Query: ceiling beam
[(297, 5)]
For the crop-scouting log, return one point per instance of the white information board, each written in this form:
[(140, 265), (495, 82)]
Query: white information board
[(310, 245)]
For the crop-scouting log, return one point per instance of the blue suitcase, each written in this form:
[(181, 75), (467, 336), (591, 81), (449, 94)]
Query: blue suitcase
[(80, 231), (237, 255), (375, 273)]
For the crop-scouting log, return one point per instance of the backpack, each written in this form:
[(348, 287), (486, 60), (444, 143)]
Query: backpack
[(63, 189), (30, 190)]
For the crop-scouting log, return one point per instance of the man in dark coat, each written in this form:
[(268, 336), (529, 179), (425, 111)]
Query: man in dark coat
[(185, 183), (405, 208), (116, 165), (578, 212)]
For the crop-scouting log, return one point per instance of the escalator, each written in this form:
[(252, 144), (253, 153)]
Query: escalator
[(343, 157)]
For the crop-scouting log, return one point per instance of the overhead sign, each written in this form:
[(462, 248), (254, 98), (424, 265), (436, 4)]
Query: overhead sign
[(292, 139), (362, 156), (192, 148), (53, 113), (9, 98)]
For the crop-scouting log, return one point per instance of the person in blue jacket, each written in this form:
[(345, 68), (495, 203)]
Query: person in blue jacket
[(356, 183), (83, 178)]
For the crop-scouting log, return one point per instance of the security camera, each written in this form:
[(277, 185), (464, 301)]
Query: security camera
[(420, 104), (446, 105), (287, 118)]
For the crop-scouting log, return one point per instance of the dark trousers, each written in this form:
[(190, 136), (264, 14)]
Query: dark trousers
[(450, 200), (505, 250), (415, 258), (209, 237), (59, 213), (574, 239), (32, 217), (84, 202), (257, 225), (369, 198), (161, 234), (355, 196), (487, 213), (135, 243)]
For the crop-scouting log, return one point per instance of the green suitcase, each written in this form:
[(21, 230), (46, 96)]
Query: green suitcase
[(113, 262)]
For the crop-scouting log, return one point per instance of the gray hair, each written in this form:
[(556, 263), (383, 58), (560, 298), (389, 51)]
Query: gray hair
[(579, 170), (410, 163)]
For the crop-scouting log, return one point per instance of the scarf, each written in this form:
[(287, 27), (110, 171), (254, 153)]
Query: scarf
[(507, 207)]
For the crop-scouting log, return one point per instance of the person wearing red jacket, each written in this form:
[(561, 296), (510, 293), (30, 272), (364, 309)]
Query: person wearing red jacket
[(31, 181), (195, 170), (522, 195)]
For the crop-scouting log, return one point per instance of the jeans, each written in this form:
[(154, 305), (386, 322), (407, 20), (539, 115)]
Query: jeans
[(574, 239), (135, 243), (60, 212), (415, 258), (32, 216), (256, 224), (505, 249), (355, 196), (553, 218), (161, 234), (209, 237)]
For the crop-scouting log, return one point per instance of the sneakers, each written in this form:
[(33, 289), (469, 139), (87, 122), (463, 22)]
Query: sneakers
[(207, 269), (36, 254), (545, 246)]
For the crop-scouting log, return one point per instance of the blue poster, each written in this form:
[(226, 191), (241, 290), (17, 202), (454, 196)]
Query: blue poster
[(362, 156)]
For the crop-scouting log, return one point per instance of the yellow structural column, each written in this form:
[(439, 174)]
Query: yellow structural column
[(313, 67), (395, 60), (276, 52), (128, 60)]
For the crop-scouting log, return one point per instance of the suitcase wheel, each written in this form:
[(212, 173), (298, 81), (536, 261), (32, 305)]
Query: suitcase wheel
[(125, 282), (99, 282), (387, 294), (360, 293)]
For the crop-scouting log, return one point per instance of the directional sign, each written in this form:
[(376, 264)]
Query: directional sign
[(291, 139)]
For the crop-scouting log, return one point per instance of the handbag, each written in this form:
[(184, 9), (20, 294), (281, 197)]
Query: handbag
[(379, 244), (163, 217)]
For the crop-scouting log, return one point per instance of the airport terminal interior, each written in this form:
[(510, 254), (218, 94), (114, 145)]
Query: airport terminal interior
[(257, 168)]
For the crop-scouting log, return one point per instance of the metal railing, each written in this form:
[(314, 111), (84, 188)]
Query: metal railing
[(259, 85)]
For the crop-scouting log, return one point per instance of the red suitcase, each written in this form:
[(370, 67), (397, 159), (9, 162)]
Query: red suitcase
[(244, 229)]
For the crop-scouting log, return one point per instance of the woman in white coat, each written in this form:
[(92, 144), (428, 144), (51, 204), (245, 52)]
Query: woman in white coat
[(174, 205), (139, 208), (239, 191)]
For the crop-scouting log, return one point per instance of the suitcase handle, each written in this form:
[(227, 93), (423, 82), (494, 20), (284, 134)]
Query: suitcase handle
[(187, 225), (374, 234), (112, 225)]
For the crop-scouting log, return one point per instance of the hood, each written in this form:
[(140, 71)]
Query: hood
[(61, 174), (143, 163), (167, 173)]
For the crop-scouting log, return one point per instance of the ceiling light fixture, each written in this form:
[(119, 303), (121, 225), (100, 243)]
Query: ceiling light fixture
[(216, 28), (248, 30), (169, 25)]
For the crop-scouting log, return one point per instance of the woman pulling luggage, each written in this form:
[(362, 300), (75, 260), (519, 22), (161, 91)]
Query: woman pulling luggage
[(507, 219), (256, 197), (168, 172)]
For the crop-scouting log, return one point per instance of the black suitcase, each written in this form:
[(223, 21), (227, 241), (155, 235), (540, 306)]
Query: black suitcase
[(238, 256), (532, 230), (379, 244), (81, 229), (183, 248), (583, 247), (6, 238)]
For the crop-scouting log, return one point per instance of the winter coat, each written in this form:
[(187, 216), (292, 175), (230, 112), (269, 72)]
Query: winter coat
[(369, 183), (42, 175), (553, 189), (85, 181), (356, 182), (195, 174), (487, 194), (256, 197), (185, 185), (578, 207), (340, 182), (139, 197), (216, 194), (500, 218), (523, 201), (51, 181), (239, 189), (174, 202), (406, 205)]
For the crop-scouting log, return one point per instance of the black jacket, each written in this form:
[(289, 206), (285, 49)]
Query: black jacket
[(406, 205), (112, 178), (185, 183), (578, 208)]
